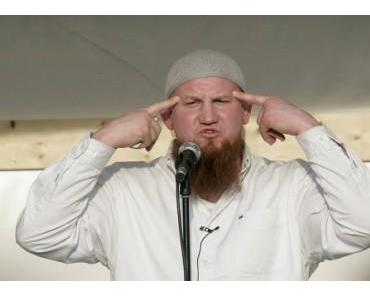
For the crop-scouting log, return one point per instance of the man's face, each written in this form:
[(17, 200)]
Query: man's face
[(207, 113)]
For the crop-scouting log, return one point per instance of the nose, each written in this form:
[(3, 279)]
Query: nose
[(208, 114)]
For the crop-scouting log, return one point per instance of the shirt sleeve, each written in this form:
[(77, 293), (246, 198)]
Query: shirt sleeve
[(335, 190), (57, 222)]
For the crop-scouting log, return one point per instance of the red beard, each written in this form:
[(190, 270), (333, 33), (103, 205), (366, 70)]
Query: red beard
[(218, 169)]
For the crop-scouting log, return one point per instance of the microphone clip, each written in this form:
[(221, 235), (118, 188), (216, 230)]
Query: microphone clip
[(208, 230)]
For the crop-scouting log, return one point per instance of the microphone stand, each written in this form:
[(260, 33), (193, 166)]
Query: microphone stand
[(185, 192), (189, 156)]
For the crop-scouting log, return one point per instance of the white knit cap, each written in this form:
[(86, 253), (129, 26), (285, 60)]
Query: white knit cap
[(203, 63)]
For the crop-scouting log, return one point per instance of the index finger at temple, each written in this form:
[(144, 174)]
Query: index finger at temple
[(250, 98), (163, 105)]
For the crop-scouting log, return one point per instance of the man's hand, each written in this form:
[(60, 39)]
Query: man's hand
[(277, 117), (137, 127)]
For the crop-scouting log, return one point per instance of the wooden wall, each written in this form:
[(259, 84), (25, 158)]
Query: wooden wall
[(37, 144)]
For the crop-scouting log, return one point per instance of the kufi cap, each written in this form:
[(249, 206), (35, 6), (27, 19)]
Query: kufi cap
[(203, 63)]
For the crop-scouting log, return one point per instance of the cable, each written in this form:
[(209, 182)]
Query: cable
[(200, 248), (209, 231)]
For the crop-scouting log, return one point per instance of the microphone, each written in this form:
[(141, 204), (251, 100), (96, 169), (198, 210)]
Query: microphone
[(188, 156)]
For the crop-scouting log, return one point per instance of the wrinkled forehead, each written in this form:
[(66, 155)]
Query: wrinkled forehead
[(209, 86)]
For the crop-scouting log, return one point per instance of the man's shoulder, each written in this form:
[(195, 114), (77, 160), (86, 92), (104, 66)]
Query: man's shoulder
[(294, 166), (135, 167)]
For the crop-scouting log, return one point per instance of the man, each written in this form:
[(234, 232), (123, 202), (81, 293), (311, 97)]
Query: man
[(251, 218)]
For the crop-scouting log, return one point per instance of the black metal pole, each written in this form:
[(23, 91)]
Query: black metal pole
[(185, 195)]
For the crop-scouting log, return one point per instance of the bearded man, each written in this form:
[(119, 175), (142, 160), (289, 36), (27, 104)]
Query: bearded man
[(250, 218)]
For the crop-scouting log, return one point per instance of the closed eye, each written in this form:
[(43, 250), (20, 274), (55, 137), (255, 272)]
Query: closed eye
[(191, 101), (222, 100)]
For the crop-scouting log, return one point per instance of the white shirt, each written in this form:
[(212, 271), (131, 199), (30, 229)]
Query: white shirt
[(287, 217)]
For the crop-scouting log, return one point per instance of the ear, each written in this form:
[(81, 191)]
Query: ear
[(246, 113), (167, 118)]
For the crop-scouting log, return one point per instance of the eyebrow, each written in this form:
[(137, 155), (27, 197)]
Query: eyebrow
[(217, 97), (223, 97), (191, 97)]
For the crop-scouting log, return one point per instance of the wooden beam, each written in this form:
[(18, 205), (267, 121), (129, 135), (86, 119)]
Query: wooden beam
[(38, 144)]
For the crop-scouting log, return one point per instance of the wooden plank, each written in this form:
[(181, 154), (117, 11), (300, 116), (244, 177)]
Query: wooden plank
[(38, 144)]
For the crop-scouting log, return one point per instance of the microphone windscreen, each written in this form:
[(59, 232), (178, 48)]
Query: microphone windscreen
[(192, 147)]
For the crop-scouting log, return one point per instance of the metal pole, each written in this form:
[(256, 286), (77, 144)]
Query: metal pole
[(185, 194)]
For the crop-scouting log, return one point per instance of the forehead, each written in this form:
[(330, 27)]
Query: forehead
[(210, 86)]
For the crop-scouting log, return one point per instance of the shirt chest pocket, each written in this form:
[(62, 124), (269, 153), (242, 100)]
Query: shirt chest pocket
[(257, 243)]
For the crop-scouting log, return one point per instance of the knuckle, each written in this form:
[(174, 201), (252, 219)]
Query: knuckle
[(147, 141), (144, 130), (268, 121)]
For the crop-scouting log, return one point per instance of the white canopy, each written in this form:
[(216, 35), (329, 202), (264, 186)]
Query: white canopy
[(62, 67)]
